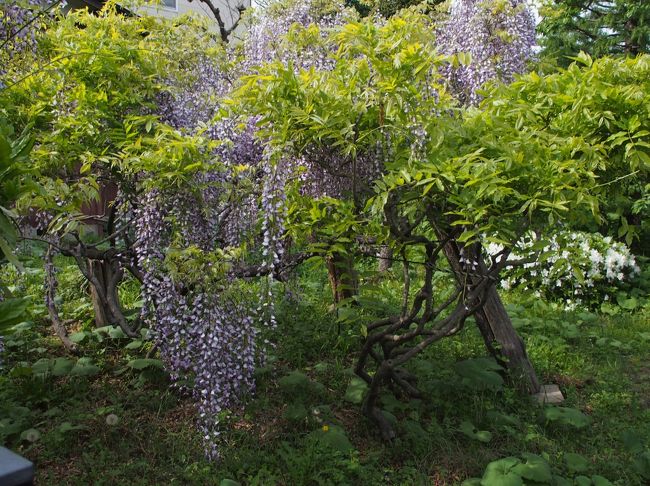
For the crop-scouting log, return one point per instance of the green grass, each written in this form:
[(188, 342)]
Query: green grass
[(600, 363)]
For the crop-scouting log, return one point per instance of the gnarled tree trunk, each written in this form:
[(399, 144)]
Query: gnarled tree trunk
[(497, 330), (107, 276), (104, 274)]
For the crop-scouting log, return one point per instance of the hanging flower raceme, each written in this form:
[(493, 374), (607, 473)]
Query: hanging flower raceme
[(498, 36), (203, 329), (20, 22)]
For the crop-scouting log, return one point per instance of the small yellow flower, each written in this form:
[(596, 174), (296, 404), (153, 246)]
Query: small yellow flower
[(326, 428)]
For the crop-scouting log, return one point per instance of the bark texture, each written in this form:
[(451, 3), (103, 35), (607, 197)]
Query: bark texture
[(385, 259), (497, 330), (342, 277)]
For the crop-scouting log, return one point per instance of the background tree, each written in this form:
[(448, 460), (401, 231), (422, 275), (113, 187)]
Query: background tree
[(598, 28), (617, 28)]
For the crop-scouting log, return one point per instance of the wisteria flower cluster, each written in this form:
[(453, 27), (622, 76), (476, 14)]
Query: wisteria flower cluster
[(499, 37), (187, 238), (205, 334), (205, 331), (266, 39), (19, 26), (580, 269)]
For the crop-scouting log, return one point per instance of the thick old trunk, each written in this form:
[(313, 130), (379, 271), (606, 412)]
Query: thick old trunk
[(504, 343), (385, 259), (102, 312), (104, 277), (342, 277), (497, 330)]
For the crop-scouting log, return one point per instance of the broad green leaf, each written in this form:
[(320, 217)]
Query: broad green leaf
[(356, 390), (12, 311), (142, 363), (62, 367), (567, 416), (480, 373), (68, 426), (134, 344), (334, 437), (499, 473), (501, 419), (600, 481), (229, 482), (116, 333), (42, 366), (84, 367), (576, 462), (627, 303), (77, 337), (641, 464), (472, 432), (534, 468)]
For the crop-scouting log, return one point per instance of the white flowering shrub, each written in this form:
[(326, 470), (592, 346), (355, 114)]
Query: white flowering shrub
[(581, 269)]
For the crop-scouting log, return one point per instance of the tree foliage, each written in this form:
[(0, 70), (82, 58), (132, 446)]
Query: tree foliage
[(322, 134), (598, 28), (15, 183), (448, 175)]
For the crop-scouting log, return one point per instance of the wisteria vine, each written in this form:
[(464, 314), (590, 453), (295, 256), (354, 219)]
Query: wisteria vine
[(203, 333), (188, 240)]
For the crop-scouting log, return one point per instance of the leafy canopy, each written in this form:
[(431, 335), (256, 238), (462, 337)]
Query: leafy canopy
[(598, 28)]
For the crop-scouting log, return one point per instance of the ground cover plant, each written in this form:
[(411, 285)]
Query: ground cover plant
[(120, 423), (344, 250)]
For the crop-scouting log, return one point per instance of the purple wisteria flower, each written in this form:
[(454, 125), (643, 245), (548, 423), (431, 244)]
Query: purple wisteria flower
[(498, 36)]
